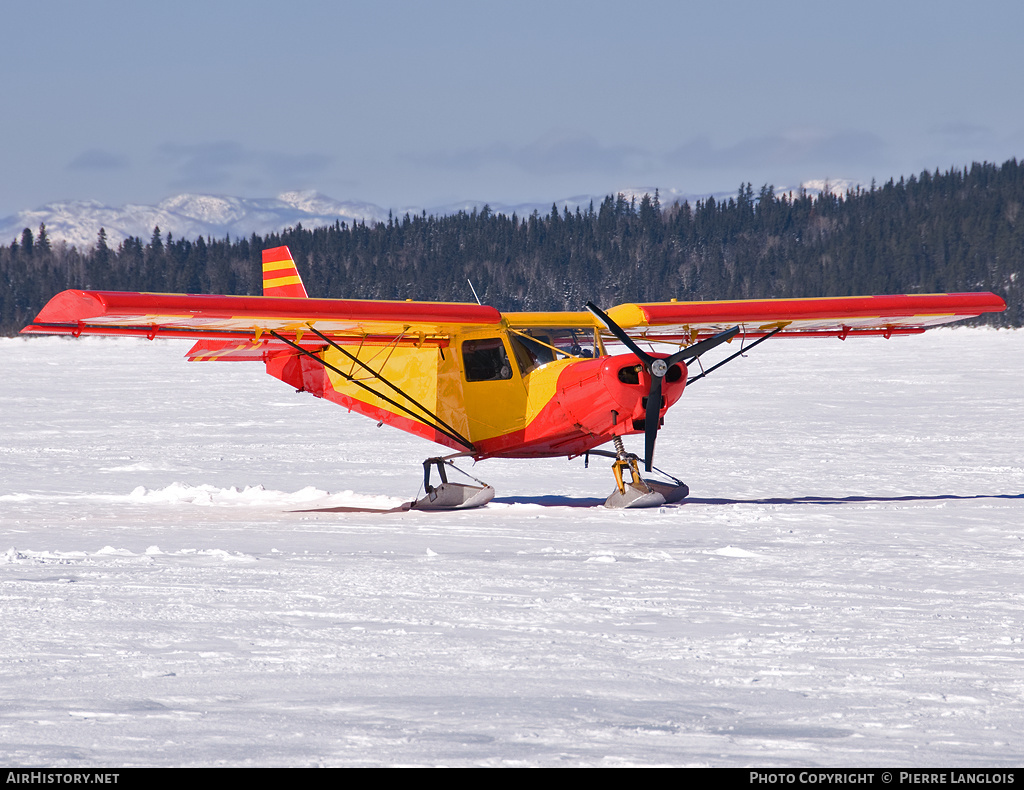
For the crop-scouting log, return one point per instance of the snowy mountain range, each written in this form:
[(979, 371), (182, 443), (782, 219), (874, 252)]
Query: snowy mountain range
[(78, 222)]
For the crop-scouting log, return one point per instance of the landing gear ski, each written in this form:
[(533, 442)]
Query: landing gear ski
[(639, 491), (451, 496)]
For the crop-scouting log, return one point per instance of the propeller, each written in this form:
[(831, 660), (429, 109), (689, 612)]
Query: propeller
[(658, 367)]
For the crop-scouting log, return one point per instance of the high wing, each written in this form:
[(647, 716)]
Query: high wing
[(844, 316), (259, 327), (239, 327), (253, 327)]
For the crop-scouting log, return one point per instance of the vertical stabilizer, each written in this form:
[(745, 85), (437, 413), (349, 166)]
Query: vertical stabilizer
[(280, 277)]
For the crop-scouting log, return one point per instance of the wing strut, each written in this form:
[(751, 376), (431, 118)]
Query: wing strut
[(443, 427), (731, 358), (454, 433)]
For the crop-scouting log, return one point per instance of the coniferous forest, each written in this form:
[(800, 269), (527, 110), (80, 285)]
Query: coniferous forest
[(962, 230)]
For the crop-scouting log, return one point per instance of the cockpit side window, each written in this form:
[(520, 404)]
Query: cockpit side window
[(486, 360)]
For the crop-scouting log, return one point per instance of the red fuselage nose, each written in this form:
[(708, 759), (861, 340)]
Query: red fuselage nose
[(594, 400), (608, 396)]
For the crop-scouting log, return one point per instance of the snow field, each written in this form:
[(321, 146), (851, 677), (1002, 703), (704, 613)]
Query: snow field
[(842, 589)]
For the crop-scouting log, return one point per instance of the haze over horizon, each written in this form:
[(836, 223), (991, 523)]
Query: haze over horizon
[(431, 104)]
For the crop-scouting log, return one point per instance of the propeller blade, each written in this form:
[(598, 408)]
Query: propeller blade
[(651, 420), (622, 337), (694, 351)]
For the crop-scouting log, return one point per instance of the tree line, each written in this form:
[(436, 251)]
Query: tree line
[(962, 230)]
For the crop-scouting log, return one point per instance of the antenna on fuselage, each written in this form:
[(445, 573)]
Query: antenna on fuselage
[(474, 291)]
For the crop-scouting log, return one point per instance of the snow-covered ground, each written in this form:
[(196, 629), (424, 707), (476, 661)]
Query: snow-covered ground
[(844, 588)]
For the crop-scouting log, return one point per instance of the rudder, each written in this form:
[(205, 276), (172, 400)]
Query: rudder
[(280, 277)]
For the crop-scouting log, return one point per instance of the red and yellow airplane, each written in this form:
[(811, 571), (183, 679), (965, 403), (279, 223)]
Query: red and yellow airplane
[(484, 383)]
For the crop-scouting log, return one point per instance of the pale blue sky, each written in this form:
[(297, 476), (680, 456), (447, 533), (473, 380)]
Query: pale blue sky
[(404, 103)]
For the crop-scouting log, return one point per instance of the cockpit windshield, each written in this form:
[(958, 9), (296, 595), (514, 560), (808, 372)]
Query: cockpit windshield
[(538, 346)]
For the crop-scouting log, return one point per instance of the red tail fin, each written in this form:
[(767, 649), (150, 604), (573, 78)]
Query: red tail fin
[(280, 277)]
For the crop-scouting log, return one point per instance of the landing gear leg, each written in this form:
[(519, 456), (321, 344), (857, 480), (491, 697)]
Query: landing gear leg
[(639, 492), (439, 463), (451, 496)]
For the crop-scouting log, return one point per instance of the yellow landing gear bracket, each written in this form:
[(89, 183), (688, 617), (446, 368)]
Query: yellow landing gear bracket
[(639, 492), (630, 462)]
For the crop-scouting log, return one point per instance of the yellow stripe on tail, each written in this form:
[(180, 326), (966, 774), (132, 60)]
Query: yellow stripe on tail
[(280, 277)]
